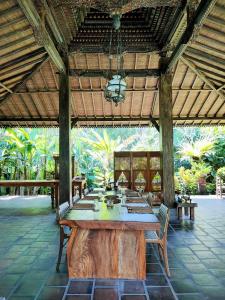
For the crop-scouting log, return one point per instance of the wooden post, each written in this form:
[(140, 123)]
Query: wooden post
[(65, 185), (166, 137)]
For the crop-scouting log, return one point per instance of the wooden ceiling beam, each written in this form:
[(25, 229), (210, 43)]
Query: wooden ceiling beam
[(179, 20), (23, 30), (106, 119), (52, 91), (7, 24), (207, 58), (35, 69), (106, 72), (35, 21), (53, 25), (202, 12), (22, 58), (20, 49), (135, 47), (17, 42), (221, 88), (5, 87), (154, 123), (202, 77), (9, 11)]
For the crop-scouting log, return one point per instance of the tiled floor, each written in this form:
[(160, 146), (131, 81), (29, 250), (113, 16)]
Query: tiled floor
[(29, 245)]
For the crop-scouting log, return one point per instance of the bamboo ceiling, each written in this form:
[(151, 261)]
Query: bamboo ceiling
[(29, 79)]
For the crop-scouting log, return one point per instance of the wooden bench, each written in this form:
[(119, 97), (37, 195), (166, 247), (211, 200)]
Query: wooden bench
[(189, 208)]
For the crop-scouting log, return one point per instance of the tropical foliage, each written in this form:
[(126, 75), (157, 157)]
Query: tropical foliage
[(27, 153)]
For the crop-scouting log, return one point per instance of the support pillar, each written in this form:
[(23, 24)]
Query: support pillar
[(65, 178), (166, 137)]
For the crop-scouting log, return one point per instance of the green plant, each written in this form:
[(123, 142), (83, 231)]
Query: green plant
[(221, 173), (211, 188), (187, 180)]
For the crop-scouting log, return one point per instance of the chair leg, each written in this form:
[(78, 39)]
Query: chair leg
[(160, 252), (164, 248), (61, 242)]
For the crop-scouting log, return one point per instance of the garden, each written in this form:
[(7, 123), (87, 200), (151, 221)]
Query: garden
[(198, 154)]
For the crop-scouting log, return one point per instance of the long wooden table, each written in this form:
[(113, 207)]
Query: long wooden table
[(54, 184), (108, 243)]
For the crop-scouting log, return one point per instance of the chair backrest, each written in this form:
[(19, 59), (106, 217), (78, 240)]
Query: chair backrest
[(164, 220), (86, 191), (63, 209), (148, 198), (75, 198)]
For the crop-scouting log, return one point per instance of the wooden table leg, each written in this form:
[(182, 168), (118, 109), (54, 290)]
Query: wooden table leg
[(73, 194), (56, 189), (179, 212), (52, 197), (80, 190), (186, 211), (99, 253), (192, 213)]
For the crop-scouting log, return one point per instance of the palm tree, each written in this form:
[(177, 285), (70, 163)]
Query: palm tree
[(101, 148), (195, 150)]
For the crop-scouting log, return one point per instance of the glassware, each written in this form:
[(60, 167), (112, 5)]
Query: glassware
[(109, 203), (96, 205)]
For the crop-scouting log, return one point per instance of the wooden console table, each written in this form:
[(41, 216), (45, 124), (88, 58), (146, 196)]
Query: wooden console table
[(54, 184), (108, 243), (188, 207), (80, 184)]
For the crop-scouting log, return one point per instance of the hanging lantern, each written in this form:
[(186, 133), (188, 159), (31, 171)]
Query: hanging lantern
[(116, 86), (115, 89)]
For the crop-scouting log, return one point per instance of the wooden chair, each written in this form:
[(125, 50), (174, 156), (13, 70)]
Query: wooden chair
[(160, 238), (148, 198), (64, 231), (86, 191)]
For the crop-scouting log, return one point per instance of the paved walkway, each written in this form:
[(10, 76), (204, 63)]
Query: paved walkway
[(29, 245)]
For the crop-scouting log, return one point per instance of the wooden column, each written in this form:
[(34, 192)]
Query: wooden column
[(65, 185), (166, 137)]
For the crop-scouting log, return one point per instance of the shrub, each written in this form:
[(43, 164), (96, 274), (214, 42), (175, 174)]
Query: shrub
[(211, 188), (221, 173)]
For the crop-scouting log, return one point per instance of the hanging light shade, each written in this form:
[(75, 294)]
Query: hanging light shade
[(116, 86), (115, 89)]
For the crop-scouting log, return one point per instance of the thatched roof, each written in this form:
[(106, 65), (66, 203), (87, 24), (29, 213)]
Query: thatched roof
[(29, 79)]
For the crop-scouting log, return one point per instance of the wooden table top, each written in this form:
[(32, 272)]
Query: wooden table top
[(111, 218), (28, 182), (192, 204), (34, 182), (78, 180)]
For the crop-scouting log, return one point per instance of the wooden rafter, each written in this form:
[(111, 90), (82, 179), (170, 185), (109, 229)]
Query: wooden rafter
[(202, 77), (35, 20), (202, 12), (6, 88), (35, 69), (106, 72), (53, 25), (97, 90), (106, 119)]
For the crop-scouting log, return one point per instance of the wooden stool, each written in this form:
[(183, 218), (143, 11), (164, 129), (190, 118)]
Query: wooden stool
[(187, 207)]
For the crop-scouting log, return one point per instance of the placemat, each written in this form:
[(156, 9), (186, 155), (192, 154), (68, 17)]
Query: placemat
[(89, 197), (135, 200), (132, 194), (84, 206), (139, 210)]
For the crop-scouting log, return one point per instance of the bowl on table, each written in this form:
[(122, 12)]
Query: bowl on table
[(113, 198)]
